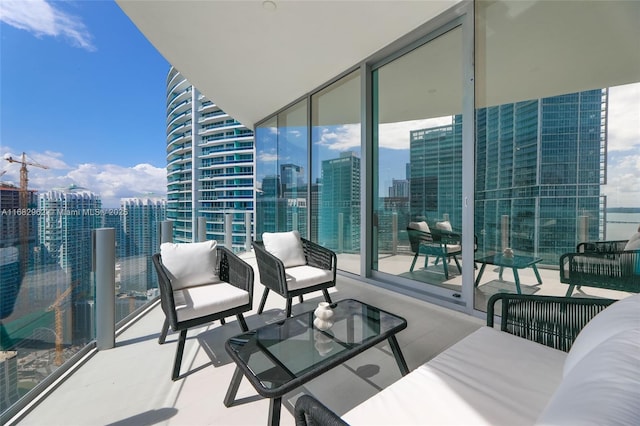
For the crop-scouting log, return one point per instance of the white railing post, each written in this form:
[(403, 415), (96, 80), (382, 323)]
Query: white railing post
[(247, 230), (202, 229), (228, 230)]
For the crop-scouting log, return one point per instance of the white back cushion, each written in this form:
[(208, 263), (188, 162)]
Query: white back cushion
[(190, 264), (603, 388), (444, 226), (420, 226), (633, 243), (286, 246), (620, 316)]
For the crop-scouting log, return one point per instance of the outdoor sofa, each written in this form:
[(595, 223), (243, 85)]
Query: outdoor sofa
[(532, 370)]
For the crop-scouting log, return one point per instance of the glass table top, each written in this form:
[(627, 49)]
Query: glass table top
[(281, 353), (516, 261)]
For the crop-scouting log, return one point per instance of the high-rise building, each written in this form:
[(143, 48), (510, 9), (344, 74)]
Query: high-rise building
[(552, 156), (65, 243), (140, 238), (209, 166), (339, 203), (14, 257)]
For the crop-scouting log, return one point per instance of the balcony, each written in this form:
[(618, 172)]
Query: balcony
[(130, 384)]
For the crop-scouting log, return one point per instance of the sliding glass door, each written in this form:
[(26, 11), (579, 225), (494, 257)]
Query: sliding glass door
[(417, 165)]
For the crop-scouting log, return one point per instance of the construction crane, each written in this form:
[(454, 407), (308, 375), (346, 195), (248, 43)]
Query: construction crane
[(56, 306), (23, 203)]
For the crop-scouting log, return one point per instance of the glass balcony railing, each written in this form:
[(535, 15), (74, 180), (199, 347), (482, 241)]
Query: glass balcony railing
[(49, 305)]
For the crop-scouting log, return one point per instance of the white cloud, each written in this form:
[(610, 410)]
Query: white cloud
[(268, 157), (43, 18), (623, 181), (111, 182), (624, 118), (341, 138), (396, 135)]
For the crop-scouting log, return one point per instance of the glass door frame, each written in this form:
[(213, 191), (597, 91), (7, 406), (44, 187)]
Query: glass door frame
[(462, 18)]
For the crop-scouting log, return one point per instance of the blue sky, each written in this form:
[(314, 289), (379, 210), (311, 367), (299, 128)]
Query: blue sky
[(83, 92)]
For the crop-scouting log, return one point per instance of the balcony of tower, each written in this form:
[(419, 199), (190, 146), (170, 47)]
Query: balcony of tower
[(172, 77), (172, 164), (177, 96), (183, 139), (173, 120), (176, 109)]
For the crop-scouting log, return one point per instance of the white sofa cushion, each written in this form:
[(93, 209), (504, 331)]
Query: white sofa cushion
[(489, 377), (286, 246), (190, 264), (306, 276), (603, 388), (620, 316), (195, 302)]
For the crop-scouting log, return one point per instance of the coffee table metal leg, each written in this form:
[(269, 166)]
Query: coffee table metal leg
[(480, 272), (275, 404), (233, 388), (517, 278), (397, 353), (535, 269)]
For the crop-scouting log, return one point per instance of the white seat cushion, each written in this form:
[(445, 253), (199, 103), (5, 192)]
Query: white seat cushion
[(286, 246), (190, 264), (453, 248), (194, 302), (306, 276), (489, 378)]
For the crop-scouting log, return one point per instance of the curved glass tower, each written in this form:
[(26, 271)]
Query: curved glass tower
[(209, 168)]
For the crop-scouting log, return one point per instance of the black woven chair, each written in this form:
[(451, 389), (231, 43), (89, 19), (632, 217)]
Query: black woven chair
[(236, 278), (311, 412), (601, 264), (443, 245), (285, 281)]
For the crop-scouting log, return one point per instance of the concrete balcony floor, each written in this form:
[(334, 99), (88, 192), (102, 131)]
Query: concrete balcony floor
[(130, 384)]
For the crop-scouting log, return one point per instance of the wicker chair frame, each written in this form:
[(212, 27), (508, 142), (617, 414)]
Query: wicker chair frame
[(273, 273), (230, 269), (435, 243), (548, 320)]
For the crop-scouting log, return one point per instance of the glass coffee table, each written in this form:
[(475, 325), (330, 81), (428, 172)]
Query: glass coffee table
[(280, 357), (515, 262)]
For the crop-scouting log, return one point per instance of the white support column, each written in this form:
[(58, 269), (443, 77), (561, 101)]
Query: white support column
[(105, 275), (202, 229), (166, 231), (247, 229)]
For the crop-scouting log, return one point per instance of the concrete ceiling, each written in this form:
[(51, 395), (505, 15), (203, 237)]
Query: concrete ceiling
[(254, 57)]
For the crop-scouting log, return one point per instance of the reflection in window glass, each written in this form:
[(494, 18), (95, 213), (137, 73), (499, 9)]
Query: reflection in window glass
[(281, 167), (553, 145), (418, 162), (335, 188)]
